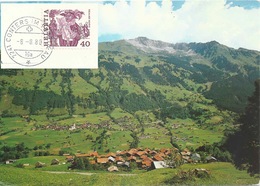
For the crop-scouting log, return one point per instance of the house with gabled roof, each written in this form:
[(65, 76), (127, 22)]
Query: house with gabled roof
[(94, 154), (121, 153), (163, 150), (111, 154), (82, 155), (127, 164), (195, 157), (210, 159), (132, 152), (157, 157), (159, 165), (160, 154), (144, 156), (186, 152), (102, 160), (147, 150), (153, 152), (119, 159), (131, 158), (140, 153), (10, 161), (69, 158), (111, 159), (147, 162)]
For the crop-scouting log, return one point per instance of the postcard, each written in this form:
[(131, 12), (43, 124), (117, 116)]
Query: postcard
[(174, 100), (49, 35)]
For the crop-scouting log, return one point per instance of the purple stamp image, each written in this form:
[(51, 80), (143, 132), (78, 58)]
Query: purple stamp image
[(49, 35), (66, 28)]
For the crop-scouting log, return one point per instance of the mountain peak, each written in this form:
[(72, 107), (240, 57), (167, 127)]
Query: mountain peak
[(149, 45), (154, 46)]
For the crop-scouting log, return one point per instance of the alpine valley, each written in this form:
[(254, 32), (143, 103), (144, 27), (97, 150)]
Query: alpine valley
[(146, 94)]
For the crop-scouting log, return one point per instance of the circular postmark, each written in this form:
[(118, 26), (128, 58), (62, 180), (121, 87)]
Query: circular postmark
[(25, 42)]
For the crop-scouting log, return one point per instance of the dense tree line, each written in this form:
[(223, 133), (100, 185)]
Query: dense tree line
[(244, 144), (231, 93), (13, 152), (36, 100)]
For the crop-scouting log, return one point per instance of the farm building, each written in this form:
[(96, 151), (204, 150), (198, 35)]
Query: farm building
[(195, 157), (159, 165), (210, 159), (113, 169), (10, 161)]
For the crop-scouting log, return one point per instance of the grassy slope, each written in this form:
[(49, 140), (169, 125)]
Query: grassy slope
[(154, 136), (222, 174)]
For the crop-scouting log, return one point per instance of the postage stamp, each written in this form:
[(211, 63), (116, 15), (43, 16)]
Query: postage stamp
[(49, 36)]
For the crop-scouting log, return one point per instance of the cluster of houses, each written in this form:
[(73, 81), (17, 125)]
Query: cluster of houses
[(72, 127), (143, 158)]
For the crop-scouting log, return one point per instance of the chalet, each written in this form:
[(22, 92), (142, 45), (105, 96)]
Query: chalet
[(131, 158), (55, 162), (153, 152), (121, 153), (195, 157), (210, 159), (185, 153), (157, 157), (132, 152), (111, 159), (112, 169), (168, 152), (127, 164), (39, 164), (73, 127), (141, 153), (160, 154), (69, 158), (164, 150), (119, 159), (186, 159), (147, 162), (10, 161), (144, 157), (82, 155), (111, 154), (159, 165), (102, 160), (147, 150), (94, 154)]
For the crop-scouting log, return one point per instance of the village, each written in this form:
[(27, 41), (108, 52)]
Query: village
[(145, 159)]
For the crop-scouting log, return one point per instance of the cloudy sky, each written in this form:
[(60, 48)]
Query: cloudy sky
[(234, 23)]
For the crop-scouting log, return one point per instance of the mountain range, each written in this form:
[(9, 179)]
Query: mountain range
[(137, 74)]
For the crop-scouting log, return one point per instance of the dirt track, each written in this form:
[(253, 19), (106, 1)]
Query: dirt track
[(85, 173)]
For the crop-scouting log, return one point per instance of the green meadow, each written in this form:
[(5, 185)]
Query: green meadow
[(154, 135), (220, 174)]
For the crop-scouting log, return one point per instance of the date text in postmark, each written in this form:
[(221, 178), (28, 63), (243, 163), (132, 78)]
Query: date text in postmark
[(24, 44)]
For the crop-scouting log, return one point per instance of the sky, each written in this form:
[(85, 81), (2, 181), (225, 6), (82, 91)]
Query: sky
[(230, 22)]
